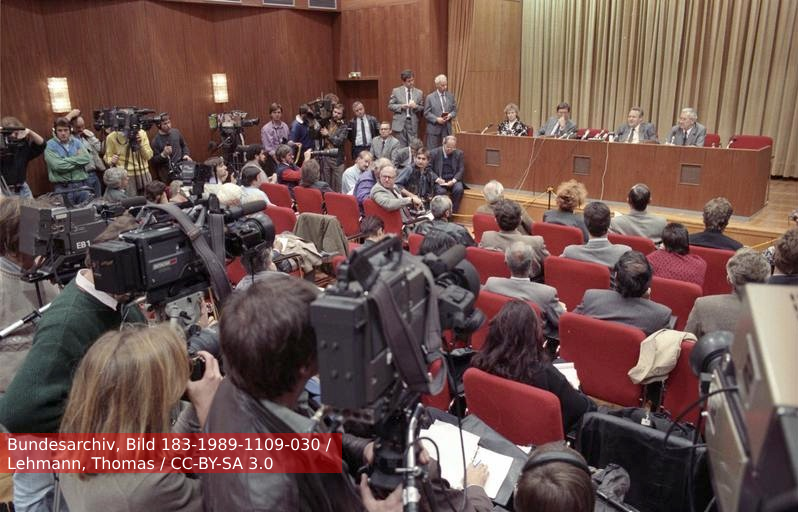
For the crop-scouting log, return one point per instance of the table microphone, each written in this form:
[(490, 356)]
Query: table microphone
[(486, 129)]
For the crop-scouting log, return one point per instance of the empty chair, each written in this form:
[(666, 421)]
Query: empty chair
[(557, 236), (444, 398), (712, 140), (750, 141), (309, 200), (573, 277), (414, 241), (677, 295), (490, 304), (715, 281), (521, 413), (488, 263), (603, 353), (278, 194), (392, 220), (283, 219), (483, 222), (637, 243), (344, 206)]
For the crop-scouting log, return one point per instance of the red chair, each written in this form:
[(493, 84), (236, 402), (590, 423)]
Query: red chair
[(750, 141), (558, 237), (235, 271), (483, 222), (345, 208), (392, 220), (681, 388), (712, 140), (444, 398), (278, 194), (283, 219), (523, 414), (591, 132), (677, 295), (637, 243), (414, 241), (715, 281), (490, 304), (573, 277), (309, 200), (488, 263), (603, 353)]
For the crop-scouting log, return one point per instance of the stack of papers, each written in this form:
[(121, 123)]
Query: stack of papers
[(569, 371)]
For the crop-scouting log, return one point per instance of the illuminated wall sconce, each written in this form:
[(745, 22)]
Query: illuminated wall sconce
[(219, 81), (59, 95)]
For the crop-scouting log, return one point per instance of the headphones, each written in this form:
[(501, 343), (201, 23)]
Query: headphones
[(566, 457)]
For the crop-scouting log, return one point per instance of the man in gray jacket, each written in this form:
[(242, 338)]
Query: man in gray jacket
[(638, 222), (390, 197), (598, 249)]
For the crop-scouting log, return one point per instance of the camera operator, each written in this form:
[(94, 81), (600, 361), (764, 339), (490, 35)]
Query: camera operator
[(302, 132), (66, 159), (119, 151), (14, 165), (93, 146), (273, 133), (168, 147), (333, 137)]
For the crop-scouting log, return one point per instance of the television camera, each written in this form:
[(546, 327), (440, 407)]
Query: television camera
[(9, 144), (127, 120), (231, 133)]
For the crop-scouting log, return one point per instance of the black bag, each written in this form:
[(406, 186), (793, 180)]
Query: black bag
[(656, 420)]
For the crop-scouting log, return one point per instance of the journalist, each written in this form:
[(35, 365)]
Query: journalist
[(168, 148), (24, 146), (66, 159)]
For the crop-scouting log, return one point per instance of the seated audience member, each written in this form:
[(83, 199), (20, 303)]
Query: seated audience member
[(220, 173), (493, 192), (155, 192), (251, 179), (628, 303), (688, 132), (785, 269), (717, 213), (175, 192), (514, 350), (420, 180), (384, 145), (447, 163), (508, 216), (368, 179), (258, 264), (311, 172), (598, 249), (287, 173), (437, 243), (520, 260), (552, 485), (512, 125), (441, 209), (770, 252), (638, 222), (229, 194), (391, 198), (559, 125), (350, 176), (570, 195), (115, 180), (257, 158), (130, 381), (674, 260), (404, 159), (373, 230), (635, 130), (720, 312)]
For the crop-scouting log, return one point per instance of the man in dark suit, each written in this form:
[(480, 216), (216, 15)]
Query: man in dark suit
[(560, 124), (717, 213), (635, 130), (363, 128), (406, 102), (447, 164), (386, 144), (440, 108), (688, 132), (441, 209), (628, 302)]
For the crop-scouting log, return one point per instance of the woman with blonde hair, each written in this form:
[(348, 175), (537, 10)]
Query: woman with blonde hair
[(570, 196), (131, 381), (512, 125)]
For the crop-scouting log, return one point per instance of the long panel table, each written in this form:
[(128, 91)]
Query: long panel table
[(683, 177)]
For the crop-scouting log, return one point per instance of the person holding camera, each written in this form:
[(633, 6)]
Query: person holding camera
[(301, 132), (129, 381), (23, 146), (333, 138), (66, 159), (131, 155), (168, 147)]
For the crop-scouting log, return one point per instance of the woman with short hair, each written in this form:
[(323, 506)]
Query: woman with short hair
[(674, 261), (512, 125), (570, 196)]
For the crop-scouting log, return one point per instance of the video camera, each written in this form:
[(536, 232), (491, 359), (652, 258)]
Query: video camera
[(8, 143), (230, 124), (191, 174), (128, 120)]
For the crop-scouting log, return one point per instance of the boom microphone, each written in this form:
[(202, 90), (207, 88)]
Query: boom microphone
[(130, 202), (236, 212)]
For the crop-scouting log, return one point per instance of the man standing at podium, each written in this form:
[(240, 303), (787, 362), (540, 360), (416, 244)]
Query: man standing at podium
[(560, 124), (688, 132), (635, 130)]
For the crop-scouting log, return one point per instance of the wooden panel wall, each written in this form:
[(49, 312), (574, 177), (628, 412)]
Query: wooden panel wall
[(160, 55)]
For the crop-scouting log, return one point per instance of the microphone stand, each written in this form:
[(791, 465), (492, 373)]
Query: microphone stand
[(549, 191)]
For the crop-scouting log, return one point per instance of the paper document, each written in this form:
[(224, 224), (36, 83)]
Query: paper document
[(569, 371)]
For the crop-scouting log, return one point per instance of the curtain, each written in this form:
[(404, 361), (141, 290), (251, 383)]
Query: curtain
[(736, 63), (461, 18)]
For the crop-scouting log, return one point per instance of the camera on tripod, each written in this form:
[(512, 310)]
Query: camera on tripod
[(128, 120), (230, 125)]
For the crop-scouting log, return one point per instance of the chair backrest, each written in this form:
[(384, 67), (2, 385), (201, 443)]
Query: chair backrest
[(414, 241), (283, 219), (392, 220), (637, 243), (490, 304), (681, 388), (488, 263), (344, 206), (573, 277), (603, 352), (309, 200), (558, 237), (235, 271), (483, 222), (750, 141), (523, 414), (278, 194), (677, 295), (715, 281), (444, 398), (712, 140)]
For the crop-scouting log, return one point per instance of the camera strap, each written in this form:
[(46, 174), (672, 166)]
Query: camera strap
[(220, 285)]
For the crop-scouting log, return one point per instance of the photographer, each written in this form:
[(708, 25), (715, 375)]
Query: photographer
[(26, 145), (301, 133), (133, 157), (168, 147), (333, 137), (66, 159)]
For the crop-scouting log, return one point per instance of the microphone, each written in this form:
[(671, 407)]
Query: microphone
[(236, 212), (567, 134), (607, 135), (130, 202), (486, 129), (598, 135), (584, 135)]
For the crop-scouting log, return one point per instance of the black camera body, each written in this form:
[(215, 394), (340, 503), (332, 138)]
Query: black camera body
[(128, 120), (8, 143)]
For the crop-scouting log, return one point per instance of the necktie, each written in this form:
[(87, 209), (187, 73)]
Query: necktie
[(443, 103), (408, 101), (684, 138), (362, 128), (632, 135)]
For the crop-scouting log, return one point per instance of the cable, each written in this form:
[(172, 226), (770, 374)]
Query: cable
[(438, 459), (709, 505), (462, 452), (690, 408), (603, 174)]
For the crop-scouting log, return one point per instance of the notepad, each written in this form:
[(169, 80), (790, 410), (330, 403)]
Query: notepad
[(569, 371)]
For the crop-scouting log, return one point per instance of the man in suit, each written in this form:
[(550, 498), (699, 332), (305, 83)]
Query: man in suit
[(406, 103), (717, 213), (493, 191), (441, 209), (508, 216), (635, 130), (628, 302), (520, 260), (688, 132), (386, 144), (638, 222), (447, 164), (440, 108), (785, 259), (363, 128), (597, 249), (560, 124), (386, 194)]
